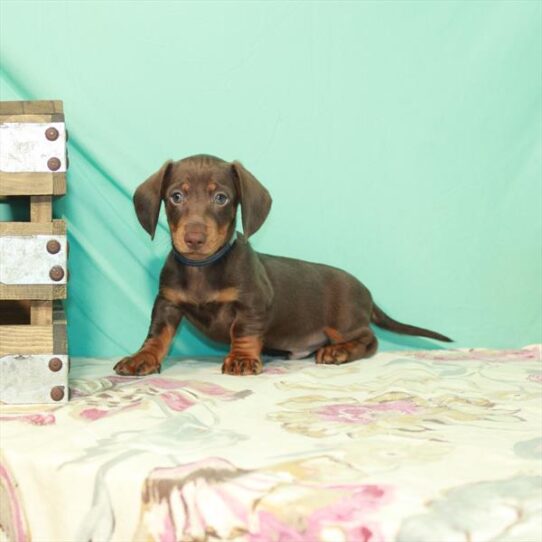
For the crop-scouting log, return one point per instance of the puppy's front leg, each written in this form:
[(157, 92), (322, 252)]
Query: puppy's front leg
[(164, 322), (246, 345)]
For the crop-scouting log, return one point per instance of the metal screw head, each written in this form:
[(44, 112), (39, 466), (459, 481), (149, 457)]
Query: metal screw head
[(53, 246), (56, 273), (53, 163), (51, 134), (57, 393), (55, 364)]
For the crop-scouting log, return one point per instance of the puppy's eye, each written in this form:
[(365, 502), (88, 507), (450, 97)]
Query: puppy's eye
[(221, 198), (177, 197)]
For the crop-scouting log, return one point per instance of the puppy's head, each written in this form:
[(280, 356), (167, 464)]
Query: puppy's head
[(201, 195)]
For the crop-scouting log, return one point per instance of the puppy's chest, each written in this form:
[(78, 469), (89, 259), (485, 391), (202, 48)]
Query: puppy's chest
[(198, 293)]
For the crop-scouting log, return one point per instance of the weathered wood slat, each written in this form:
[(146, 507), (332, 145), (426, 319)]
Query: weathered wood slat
[(33, 291), (41, 211), (26, 339), (32, 184), (60, 329), (56, 227), (36, 338), (31, 107), (41, 208), (41, 313), (55, 117)]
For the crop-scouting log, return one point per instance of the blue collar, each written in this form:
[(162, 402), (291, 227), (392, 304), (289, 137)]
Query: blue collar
[(206, 261)]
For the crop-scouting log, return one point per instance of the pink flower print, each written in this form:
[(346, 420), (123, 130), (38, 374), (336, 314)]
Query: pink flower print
[(176, 401), (271, 529), (93, 414), (164, 383), (529, 353), (33, 419), (363, 413), (14, 522), (206, 388), (348, 518)]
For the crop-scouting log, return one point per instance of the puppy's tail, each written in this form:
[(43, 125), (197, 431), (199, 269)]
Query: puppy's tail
[(381, 319)]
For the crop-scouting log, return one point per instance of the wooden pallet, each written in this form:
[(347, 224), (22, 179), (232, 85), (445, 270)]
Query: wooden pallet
[(33, 272)]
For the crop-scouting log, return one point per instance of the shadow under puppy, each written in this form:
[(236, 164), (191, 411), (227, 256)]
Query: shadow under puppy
[(232, 294)]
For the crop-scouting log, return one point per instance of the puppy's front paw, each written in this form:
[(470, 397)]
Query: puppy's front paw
[(242, 366), (141, 363)]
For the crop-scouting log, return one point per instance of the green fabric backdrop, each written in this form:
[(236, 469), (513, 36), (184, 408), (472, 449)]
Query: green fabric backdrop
[(400, 141)]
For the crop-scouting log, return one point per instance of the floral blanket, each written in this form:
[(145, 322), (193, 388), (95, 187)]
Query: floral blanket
[(422, 446)]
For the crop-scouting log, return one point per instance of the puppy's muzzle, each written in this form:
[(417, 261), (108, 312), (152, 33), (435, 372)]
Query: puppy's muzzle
[(195, 236)]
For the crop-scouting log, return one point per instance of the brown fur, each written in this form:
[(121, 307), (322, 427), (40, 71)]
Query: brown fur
[(253, 301), (150, 356)]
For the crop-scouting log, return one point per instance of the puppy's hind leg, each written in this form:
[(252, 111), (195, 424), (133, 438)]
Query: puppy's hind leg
[(358, 344)]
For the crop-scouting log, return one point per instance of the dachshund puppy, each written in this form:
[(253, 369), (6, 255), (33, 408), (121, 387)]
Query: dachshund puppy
[(232, 294)]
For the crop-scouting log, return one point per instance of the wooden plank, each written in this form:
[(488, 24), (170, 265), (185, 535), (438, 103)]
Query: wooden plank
[(11, 108), (59, 227), (41, 209), (31, 107), (30, 184), (60, 329), (55, 117), (36, 338), (56, 227), (26, 339), (33, 291), (41, 313), (43, 106), (59, 182)]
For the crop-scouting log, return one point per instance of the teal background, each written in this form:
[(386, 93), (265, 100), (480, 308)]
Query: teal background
[(401, 141)]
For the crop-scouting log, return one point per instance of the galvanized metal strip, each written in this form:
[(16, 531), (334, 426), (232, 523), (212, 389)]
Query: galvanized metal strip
[(24, 147), (41, 378), (25, 259)]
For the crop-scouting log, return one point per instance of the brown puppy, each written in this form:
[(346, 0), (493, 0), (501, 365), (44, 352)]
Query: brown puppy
[(234, 295)]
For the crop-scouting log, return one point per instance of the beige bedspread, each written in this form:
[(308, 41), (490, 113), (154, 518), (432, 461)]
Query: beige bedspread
[(424, 446)]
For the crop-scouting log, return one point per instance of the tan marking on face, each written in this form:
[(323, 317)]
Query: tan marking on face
[(216, 237), (211, 187), (185, 187)]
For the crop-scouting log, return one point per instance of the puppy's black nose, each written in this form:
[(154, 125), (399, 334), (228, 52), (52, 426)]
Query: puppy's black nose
[(195, 239)]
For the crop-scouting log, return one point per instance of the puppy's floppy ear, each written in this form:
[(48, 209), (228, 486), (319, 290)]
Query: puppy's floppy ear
[(148, 196), (254, 199)]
